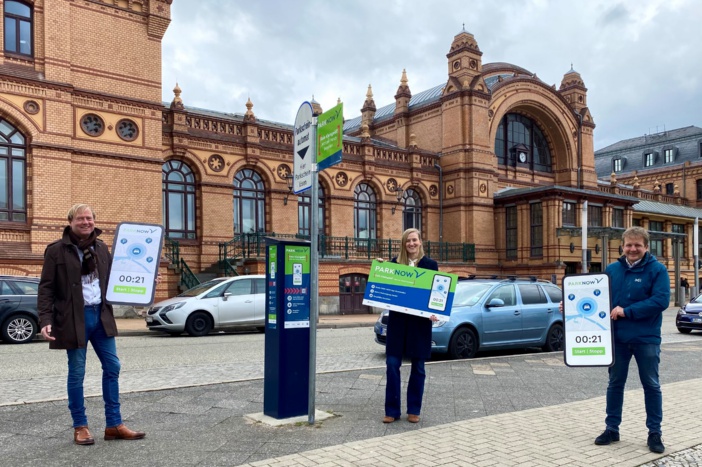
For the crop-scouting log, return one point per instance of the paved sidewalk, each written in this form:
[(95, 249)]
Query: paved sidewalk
[(517, 410), (137, 326)]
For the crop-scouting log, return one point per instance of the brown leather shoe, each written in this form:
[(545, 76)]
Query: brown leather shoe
[(82, 436), (122, 432), (412, 418), (388, 419)]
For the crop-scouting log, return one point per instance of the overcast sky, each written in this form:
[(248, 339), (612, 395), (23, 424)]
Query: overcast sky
[(641, 60)]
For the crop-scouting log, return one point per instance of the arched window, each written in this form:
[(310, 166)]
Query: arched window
[(411, 210), (364, 212), (13, 174), (520, 142), (303, 212), (178, 188), (249, 202), (18, 28)]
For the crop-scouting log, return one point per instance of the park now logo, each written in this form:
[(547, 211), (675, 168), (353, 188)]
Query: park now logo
[(593, 281), (138, 230), (416, 274)]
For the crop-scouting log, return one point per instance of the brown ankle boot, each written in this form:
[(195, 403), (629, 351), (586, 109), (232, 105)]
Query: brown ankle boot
[(82, 436), (122, 432)]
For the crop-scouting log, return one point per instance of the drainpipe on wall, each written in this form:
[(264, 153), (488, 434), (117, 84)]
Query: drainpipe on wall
[(580, 151), (441, 202)]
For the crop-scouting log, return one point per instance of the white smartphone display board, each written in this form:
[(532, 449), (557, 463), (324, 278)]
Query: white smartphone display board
[(589, 339), (136, 253)]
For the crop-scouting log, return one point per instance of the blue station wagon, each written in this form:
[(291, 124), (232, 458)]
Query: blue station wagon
[(495, 314)]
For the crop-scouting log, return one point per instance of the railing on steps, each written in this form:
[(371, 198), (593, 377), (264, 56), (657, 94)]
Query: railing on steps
[(172, 250), (253, 246), (228, 269), (187, 278)]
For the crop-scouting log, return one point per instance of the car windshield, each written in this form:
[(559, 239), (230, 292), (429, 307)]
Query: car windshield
[(200, 288), (469, 293), (697, 299)]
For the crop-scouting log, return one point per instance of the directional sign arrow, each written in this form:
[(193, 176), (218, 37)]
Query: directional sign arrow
[(302, 152)]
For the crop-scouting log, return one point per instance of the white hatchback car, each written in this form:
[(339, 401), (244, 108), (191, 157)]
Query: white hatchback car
[(221, 303)]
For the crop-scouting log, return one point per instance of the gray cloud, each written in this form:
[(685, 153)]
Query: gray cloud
[(639, 59)]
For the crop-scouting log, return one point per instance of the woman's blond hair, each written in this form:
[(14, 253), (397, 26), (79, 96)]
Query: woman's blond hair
[(402, 258)]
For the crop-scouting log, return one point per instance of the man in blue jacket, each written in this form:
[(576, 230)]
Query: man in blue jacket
[(640, 293)]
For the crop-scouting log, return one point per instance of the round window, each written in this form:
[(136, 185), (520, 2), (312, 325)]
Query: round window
[(92, 124), (127, 130)]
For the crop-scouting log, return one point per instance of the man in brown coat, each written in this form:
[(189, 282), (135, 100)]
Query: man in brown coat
[(73, 311)]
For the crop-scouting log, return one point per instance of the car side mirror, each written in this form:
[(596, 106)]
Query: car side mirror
[(226, 295), (496, 302)]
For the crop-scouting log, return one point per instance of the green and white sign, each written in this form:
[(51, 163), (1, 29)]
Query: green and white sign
[(136, 253), (271, 307), (330, 137), (416, 291), (588, 326), (297, 286)]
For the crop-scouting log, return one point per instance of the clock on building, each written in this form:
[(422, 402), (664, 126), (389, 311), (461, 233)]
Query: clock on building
[(522, 157)]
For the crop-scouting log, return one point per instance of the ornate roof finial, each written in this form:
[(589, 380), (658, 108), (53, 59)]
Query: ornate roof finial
[(637, 184), (364, 131), (338, 100), (316, 108), (369, 93), (464, 27), (177, 102), (413, 140), (613, 179), (249, 115), (403, 80)]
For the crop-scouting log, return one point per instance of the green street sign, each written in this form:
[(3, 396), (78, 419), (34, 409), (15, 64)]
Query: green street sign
[(330, 136)]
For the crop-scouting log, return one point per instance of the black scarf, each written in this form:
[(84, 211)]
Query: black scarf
[(87, 246)]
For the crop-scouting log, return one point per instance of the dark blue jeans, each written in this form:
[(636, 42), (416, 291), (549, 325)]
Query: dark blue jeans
[(647, 356), (106, 350), (415, 388)]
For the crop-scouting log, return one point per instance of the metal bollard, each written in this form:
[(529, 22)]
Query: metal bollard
[(681, 296)]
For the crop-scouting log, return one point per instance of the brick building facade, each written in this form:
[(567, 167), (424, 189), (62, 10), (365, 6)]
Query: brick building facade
[(492, 165)]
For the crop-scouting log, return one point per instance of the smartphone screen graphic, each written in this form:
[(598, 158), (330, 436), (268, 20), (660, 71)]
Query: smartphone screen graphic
[(297, 273), (439, 292)]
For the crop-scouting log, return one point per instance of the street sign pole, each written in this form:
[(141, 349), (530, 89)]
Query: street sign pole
[(314, 274)]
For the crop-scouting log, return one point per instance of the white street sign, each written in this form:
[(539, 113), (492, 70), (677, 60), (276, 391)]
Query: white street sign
[(303, 155)]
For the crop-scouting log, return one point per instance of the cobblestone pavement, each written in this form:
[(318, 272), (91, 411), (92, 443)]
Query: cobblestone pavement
[(518, 410)]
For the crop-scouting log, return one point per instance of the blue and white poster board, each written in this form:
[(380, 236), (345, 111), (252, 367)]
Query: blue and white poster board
[(135, 257), (589, 337), (416, 291)]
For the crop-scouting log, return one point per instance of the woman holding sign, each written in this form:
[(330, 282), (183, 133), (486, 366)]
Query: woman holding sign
[(408, 336)]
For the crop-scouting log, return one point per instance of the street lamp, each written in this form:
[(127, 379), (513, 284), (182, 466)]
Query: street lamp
[(289, 181), (398, 194)]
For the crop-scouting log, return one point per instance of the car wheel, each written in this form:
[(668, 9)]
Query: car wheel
[(684, 330), (464, 344), (198, 324), (19, 329), (554, 338)]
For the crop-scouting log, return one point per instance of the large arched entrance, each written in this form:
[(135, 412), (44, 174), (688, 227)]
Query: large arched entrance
[(351, 290)]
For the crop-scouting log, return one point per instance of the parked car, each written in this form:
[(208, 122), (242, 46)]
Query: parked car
[(218, 304), (18, 308), (494, 314), (689, 317)]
